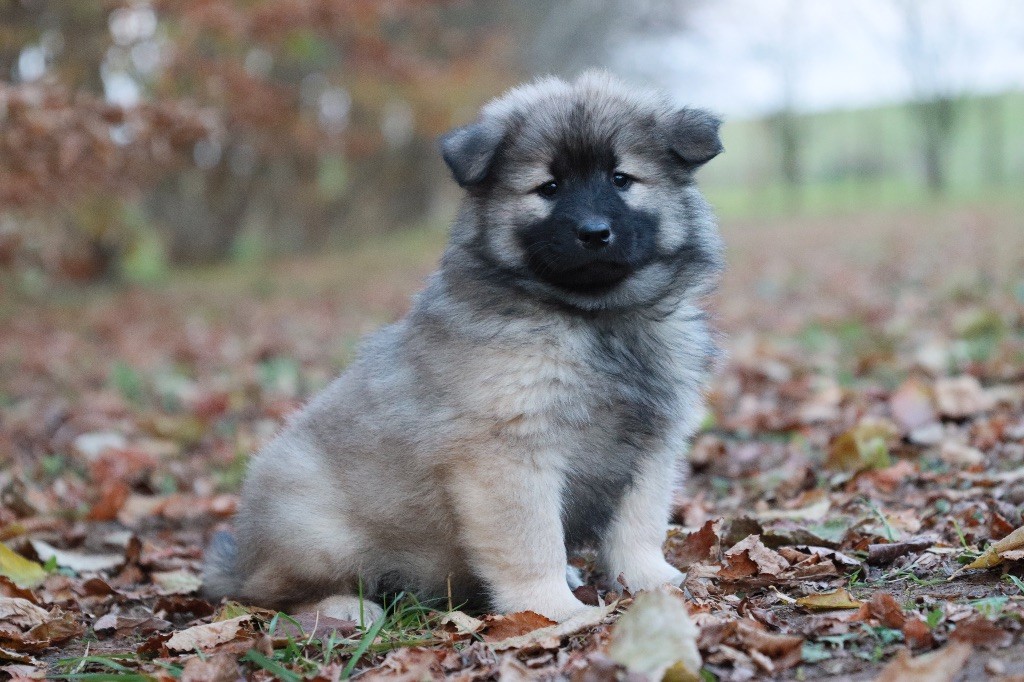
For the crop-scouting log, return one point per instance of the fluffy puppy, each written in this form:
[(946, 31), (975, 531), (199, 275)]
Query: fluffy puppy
[(537, 396)]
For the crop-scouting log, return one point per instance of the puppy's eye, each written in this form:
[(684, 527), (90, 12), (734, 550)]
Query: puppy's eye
[(548, 189), (621, 180)]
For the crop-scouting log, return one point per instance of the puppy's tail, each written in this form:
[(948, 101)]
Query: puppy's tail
[(219, 575)]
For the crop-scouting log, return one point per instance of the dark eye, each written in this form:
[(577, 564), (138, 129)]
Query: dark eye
[(548, 189), (621, 180)]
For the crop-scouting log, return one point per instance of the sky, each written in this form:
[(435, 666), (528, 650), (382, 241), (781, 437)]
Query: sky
[(745, 58)]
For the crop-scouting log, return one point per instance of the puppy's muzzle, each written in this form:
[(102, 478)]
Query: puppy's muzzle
[(594, 233)]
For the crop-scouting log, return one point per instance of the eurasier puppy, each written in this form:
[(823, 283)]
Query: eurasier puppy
[(537, 396)]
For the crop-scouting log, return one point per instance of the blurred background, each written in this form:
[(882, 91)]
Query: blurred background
[(140, 136)]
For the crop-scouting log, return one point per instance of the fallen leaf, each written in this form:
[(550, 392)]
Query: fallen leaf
[(961, 397), (911, 405), (980, 631), (177, 582), (813, 512), (463, 622), (840, 599), (695, 547), (551, 637), (23, 572), (917, 633), (960, 455), (783, 650), (312, 625), (208, 636), (77, 561), (750, 557), (864, 447), (657, 639), (213, 668), (21, 612), (993, 555), (500, 627), (58, 628), (881, 554), (938, 666), (886, 609)]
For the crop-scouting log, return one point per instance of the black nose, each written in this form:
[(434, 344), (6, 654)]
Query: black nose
[(595, 233)]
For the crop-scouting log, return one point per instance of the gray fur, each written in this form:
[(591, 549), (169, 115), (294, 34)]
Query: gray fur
[(496, 376)]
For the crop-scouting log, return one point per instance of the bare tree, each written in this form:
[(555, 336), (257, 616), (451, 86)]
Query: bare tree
[(932, 38)]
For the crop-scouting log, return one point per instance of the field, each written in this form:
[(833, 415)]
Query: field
[(868, 157), (864, 443)]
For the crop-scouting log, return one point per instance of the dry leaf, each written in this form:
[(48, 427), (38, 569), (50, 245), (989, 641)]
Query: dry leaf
[(656, 639), (77, 561), (865, 446), (911, 405), (21, 612), (749, 557), (208, 636), (463, 622), (502, 627), (886, 609), (551, 637), (961, 397), (840, 599), (980, 631), (23, 572), (993, 555), (214, 668), (938, 666), (177, 582), (695, 547)]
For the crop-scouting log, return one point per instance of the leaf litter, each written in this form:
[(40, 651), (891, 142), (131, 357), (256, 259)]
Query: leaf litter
[(854, 507)]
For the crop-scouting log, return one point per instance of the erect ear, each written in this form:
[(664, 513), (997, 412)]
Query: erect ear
[(693, 135), (469, 151)]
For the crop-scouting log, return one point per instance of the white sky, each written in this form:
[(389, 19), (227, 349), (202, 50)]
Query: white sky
[(840, 53)]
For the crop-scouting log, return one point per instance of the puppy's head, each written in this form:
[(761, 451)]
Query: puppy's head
[(582, 192)]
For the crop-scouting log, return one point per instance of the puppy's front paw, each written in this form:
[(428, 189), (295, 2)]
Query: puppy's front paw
[(652, 575), (563, 612), (348, 607)]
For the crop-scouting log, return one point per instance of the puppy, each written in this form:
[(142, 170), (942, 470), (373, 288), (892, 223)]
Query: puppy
[(535, 399)]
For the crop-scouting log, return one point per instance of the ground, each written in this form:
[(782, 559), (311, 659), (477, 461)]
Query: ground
[(864, 444)]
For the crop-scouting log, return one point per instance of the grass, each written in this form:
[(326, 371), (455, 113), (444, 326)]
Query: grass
[(406, 622)]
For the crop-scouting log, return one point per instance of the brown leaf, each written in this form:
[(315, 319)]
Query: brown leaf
[(749, 557), (784, 650), (881, 554), (961, 397), (21, 613), (911, 405), (695, 547), (839, 599), (113, 495), (917, 633), (550, 637), (884, 607), (865, 446), (208, 636), (497, 628), (938, 666), (9, 589), (213, 668), (60, 627), (980, 631), (315, 625)]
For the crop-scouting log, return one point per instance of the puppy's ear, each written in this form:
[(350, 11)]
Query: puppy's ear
[(469, 151), (693, 136)]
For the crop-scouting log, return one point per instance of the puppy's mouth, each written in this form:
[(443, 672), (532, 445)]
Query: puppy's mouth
[(596, 277)]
